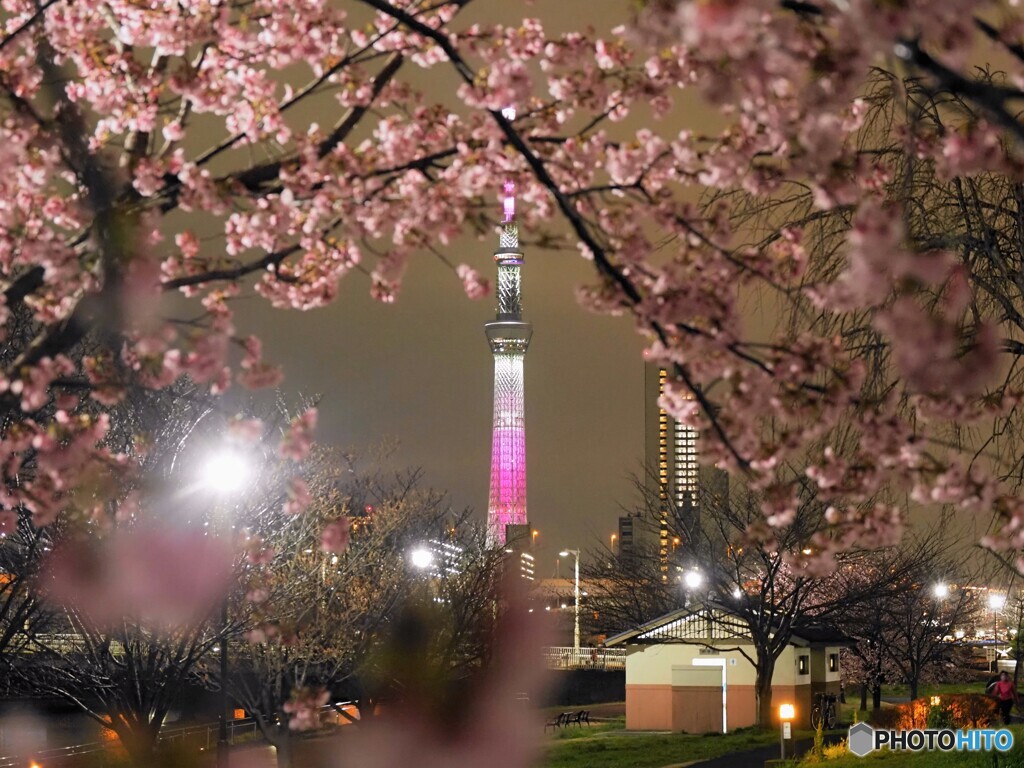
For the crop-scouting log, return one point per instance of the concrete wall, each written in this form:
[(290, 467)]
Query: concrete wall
[(586, 686)]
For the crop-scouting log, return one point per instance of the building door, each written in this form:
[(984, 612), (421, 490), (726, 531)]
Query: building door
[(697, 695), (721, 664)]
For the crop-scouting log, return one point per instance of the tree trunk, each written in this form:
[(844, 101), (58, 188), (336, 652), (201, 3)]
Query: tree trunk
[(283, 747), (876, 696), (915, 685), (864, 695), (763, 689), (138, 740)]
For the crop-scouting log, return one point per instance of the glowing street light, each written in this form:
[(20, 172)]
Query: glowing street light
[(941, 591), (787, 714), (225, 471), (693, 579), (996, 602), (421, 558)]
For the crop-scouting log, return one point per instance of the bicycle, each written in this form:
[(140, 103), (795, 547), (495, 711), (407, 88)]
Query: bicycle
[(823, 713)]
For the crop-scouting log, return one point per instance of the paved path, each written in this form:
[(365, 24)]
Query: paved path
[(755, 758)]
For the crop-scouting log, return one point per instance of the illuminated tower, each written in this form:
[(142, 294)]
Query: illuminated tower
[(508, 337)]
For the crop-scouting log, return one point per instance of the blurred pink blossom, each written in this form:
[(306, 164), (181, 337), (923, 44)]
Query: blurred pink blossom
[(497, 728), (335, 536), (8, 521), (299, 497), (163, 577), (475, 285), (298, 438), (304, 707)]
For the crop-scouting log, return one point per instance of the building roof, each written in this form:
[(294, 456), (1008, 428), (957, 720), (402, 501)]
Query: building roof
[(695, 624)]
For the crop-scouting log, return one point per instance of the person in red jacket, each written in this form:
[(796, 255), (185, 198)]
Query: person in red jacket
[(1005, 695)]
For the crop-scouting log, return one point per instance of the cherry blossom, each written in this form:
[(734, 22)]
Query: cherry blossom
[(298, 438), (163, 577), (335, 536), (151, 188), (304, 707)]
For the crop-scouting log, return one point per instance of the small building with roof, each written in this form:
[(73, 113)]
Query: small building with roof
[(692, 670)]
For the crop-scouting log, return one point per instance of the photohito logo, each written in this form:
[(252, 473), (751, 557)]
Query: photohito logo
[(864, 739)]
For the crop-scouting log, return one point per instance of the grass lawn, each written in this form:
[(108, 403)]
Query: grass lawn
[(977, 686), (609, 746)]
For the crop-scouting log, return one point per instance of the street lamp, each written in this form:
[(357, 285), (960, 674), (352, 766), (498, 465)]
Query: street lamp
[(421, 558), (576, 593), (693, 579), (787, 714), (224, 472), (614, 537), (941, 591), (996, 602)]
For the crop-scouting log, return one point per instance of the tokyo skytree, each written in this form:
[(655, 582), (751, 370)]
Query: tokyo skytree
[(508, 337)]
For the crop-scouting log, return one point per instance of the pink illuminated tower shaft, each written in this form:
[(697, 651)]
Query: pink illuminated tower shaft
[(508, 337)]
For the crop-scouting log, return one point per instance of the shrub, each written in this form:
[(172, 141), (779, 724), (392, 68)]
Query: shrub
[(835, 751), (956, 710)]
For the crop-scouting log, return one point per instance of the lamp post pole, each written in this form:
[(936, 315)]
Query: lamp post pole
[(576, 600), (225, 471), (787, 712), (223, 745), (996, 603)]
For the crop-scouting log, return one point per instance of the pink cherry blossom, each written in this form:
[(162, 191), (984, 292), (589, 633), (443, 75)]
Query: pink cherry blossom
[(162, 577), (299, 497), (475, 285), (303, 708), (298, 437), (335, 536)]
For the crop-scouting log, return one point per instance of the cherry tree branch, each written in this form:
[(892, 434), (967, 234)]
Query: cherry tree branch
[(569, 211)]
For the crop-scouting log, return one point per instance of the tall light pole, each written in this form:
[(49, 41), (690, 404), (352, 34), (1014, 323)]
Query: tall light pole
[(224, 472), (996, 602), (576, 594)]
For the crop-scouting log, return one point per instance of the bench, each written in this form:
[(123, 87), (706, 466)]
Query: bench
[(581, 717), (558, 722)]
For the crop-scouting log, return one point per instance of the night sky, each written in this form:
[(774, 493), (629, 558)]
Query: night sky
[(419, 371)]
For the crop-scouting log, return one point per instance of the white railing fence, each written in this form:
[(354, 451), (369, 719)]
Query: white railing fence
[(567, 657)]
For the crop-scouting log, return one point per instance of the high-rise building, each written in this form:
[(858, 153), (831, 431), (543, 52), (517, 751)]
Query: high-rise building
[(509, 337), (673, 474)]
